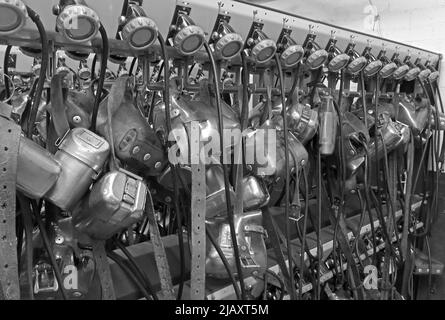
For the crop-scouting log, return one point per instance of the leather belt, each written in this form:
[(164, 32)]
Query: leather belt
[(9, 144), (159, 251), (103, 268), (198, 246)]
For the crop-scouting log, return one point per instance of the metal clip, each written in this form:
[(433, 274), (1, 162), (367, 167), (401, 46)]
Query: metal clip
[(48, 277), (59, 140)]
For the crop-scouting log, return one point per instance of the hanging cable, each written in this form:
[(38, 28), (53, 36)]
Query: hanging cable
[(137, 270), (230, 215), (42, 76), (49, 250), (119, 261), (5, 70), (100, 83), (286, 169), (28, 225), (133, 63), (93, 68), (173, 167), (225, 263)]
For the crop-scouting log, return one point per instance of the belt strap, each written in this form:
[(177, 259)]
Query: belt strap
[(103, 268), (198, 247), (9, 144), (159, 250)]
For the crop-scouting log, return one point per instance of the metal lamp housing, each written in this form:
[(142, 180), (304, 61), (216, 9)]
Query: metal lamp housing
[(315, 56), (357, 62), (31, 52), (187, 37), (402, 68), (424, 71), (77, 56), (84, 72), (139, 31), (76, 21), (434, 75), (374, 65), (225, 41), (13, 16), (388, 66), (262, 49), (291, 53), (413, 71), (337, 59)]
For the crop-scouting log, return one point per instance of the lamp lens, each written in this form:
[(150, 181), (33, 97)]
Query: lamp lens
[(372, 68), (142, 37), (317, 61), (231, 49), (9, 20), (83, 30), (265, 54), (191, 43), (293, 58), (338, 62), (388, 70)]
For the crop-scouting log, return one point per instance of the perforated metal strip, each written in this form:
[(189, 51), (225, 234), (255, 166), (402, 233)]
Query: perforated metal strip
[(198, 247), (9, 148), (103, 269), (159, 250)]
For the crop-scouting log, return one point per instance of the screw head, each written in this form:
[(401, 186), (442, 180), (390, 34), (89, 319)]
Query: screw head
[(77, 119), (147, 156), (59, 240), (157, 165), (136, 149)]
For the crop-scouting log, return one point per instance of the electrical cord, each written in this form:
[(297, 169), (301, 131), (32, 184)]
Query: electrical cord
[(224, 261), (28, 225), (390, 201), (286, 169), (150, 115), (137, 270), (5, 70), (319, 178), (48, 247), (43, 66), (13, 90), (100, 83), (173, 167), (133, 63), (282, 289), (93, 67), (119, 261), (230, 214), (28, 103)]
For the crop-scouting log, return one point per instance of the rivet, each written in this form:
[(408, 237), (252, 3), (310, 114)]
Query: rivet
[(157, 165), (59, 240), (147, 156), (136, 150)]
